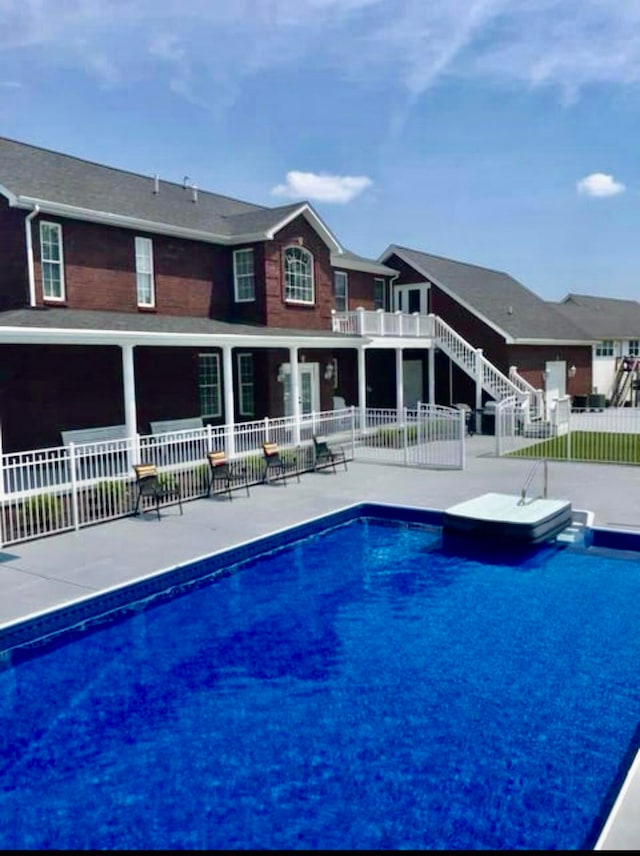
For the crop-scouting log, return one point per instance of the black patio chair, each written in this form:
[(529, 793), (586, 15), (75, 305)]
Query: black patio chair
[(223, 474), (325, 455), (149, 483), (279, 466)]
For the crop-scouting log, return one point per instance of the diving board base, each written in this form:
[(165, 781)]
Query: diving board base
[(502, 518)]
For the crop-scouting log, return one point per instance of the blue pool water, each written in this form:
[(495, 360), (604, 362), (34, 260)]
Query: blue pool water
[(360, 688)]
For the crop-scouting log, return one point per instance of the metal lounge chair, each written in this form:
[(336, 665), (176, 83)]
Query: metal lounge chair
[(326, 455), (223, 474), (149, 484), (274, 463)]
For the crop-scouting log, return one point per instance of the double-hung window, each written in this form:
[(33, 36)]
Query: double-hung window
[(145, 288), (209, 385), (379, 301), (243, 276), (298, 275), (340, 291), (634, 348), (51, 261), (246, 405)]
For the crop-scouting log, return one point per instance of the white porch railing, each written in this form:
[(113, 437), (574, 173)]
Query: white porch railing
[(377, 322), (49, 491), (471, 360)]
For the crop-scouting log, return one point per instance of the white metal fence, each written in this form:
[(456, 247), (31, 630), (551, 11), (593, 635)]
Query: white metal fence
[(429, 436), (47, 491), (609, 435)]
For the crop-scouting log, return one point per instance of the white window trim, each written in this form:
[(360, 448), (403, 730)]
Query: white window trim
[(381, 280), (149, 244), (237, 276), (599, 347), (341, 274), (58, 229), (242, 410), (309, 255), (217, 409)]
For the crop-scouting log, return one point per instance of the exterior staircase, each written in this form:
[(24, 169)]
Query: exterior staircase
[(476, 365)]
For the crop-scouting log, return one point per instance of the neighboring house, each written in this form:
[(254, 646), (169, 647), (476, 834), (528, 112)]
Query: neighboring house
[(125, 299), (492, 311), (615, 325)]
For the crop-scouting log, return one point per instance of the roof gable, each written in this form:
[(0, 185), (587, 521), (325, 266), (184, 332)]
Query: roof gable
[(496, 298)]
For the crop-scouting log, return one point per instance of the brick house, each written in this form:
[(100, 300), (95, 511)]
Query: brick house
[(127, 299), (514, 328)]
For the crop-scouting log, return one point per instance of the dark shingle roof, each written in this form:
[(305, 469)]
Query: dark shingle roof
[(51, 318), (29, 171), (602, 317), (495, 296), (33, 173)]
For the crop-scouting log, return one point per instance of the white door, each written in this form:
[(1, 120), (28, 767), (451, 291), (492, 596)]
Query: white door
[(555, 382), (411, 298), (309, 383), (412, 383)]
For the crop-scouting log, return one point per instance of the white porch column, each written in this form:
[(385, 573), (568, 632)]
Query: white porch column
[(399, 385), (129, 395), (295, 394), (362, 387), (431, 360), (478, 378), (229, 403)]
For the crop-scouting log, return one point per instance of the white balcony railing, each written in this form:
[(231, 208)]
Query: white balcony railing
[(377, 322)]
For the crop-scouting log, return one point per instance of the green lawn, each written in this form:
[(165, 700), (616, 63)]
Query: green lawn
[(601, 446)]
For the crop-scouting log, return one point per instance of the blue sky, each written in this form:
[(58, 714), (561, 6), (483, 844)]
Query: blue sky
[(498, 132)]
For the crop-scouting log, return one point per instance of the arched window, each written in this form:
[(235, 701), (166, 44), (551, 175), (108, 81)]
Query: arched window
[(298, 275)]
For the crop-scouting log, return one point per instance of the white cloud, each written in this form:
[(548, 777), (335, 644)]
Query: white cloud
[(599, 184), (413, 44), (323, 188)]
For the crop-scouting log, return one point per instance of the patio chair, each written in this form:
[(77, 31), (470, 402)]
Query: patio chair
[(223, 474), (149, 484), (274, 463), (326, 455)]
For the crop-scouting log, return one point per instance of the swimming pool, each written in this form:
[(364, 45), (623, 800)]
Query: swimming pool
[(346, 685)]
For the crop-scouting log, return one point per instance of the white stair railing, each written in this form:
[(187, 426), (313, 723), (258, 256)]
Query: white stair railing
[(536, 396), (474, 363)]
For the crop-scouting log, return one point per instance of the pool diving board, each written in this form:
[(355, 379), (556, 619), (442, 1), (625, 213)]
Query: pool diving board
[(504, 517)]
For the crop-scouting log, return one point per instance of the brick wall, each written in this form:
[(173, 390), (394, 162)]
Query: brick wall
[(191, 278), (281, 314), (14, 280)]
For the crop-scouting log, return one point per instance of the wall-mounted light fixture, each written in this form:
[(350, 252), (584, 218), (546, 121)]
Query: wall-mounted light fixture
[(329, 370), (280, 374), (572, 371)]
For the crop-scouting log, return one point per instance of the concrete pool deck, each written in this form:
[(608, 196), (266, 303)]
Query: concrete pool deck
[(42, 575)]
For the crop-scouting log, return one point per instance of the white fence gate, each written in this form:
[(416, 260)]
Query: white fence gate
[(429, 436)]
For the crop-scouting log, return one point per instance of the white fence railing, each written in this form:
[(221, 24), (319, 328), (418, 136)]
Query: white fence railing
[(377, 322), (48, 491), (611, 435), (429, 436)]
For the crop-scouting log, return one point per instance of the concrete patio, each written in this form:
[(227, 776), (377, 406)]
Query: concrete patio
[(42, 575)]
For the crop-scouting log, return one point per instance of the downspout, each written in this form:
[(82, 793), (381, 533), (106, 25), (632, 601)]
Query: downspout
[(30, 265)]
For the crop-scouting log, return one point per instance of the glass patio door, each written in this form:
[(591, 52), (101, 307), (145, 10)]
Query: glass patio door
[(308, 380)]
